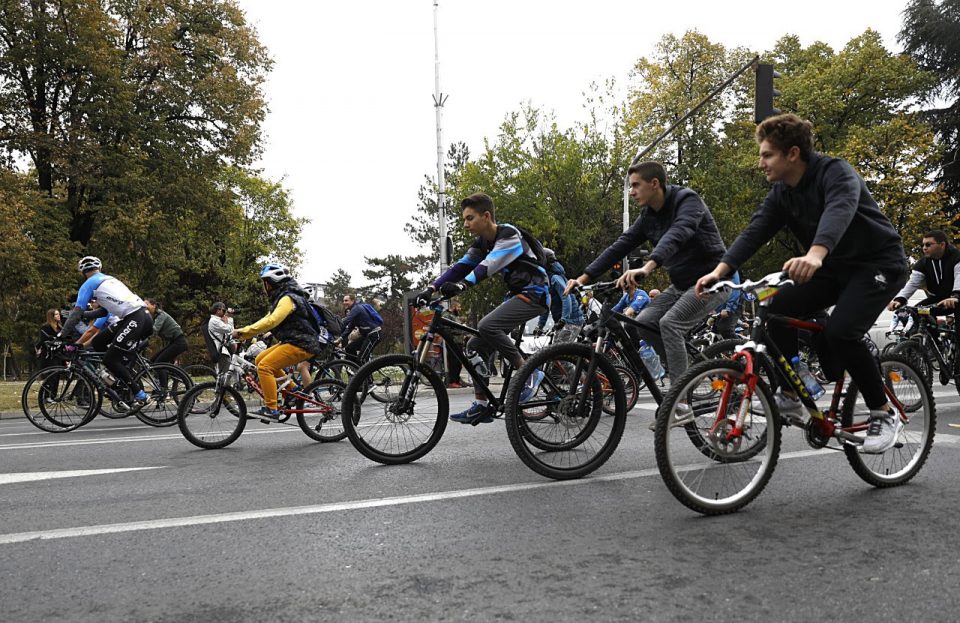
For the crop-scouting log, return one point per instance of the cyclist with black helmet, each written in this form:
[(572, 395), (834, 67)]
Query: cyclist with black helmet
[(115, 298), (292, 324)]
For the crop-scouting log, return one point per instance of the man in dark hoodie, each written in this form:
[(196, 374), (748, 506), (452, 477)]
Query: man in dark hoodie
[(687, 242), (853, 259), (938, 271), (292, 325)]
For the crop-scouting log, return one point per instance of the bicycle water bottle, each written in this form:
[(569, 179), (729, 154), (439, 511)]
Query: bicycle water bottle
[(480, 365), (809, 381), (107, 378), (651, 360)]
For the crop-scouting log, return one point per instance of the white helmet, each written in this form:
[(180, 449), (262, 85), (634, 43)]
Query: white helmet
[(275, 273), (89, 263)]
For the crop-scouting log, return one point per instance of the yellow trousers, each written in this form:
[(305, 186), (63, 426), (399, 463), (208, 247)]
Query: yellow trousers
[(270, 365)]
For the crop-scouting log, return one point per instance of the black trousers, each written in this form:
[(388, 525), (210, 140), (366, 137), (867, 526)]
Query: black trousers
[(131, 329), (171, 351), (359, 350), (860, 294)]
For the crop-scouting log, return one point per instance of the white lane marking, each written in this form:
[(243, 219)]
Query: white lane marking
[(89, 431), (6, 479), (90, 442), (197, 520)]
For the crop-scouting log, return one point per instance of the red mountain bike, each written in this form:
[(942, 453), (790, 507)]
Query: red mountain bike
[(719, 454)]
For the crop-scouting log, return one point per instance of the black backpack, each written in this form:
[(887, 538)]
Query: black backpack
[(322, 316), (535, 246)]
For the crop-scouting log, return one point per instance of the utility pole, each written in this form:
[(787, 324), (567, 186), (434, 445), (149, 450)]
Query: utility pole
[(438, 101)]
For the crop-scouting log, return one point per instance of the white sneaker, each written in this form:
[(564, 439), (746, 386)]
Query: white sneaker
[(882, 432), (790, 408), (682, 414)]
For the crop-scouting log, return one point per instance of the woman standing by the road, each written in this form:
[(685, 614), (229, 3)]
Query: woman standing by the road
[(48, 331)]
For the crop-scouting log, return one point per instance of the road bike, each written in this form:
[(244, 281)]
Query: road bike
[(731, 414), (63, 398)]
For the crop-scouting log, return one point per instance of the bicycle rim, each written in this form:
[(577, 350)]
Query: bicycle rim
[(901, 462), (211, 419), (561, 431), (398, 410), (322, 418), (706, 464)]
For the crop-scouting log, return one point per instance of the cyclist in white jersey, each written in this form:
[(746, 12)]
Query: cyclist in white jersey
[(116, 298)]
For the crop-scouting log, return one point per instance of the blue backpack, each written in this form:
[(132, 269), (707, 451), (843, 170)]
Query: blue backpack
[(374, 314)]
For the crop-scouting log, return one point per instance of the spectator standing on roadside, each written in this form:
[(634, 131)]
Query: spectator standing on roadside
[(48, 331), (174, 339)]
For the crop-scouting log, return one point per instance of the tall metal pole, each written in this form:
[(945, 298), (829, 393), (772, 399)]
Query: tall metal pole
[(438, 101)]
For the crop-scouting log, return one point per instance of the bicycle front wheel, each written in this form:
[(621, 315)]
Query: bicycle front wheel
[(321, 418), (165, 385), (398, 409), (210, 416), (915, 354), (900, 463), (58, 399), (562, 431), (716, 453)]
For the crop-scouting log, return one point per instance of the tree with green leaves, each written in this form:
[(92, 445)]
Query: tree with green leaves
[(931, 35)]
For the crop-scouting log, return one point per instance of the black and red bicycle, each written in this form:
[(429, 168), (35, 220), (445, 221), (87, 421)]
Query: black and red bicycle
[(718, 432)]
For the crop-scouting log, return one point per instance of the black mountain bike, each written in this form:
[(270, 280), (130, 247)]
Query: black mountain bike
[(400, 405)]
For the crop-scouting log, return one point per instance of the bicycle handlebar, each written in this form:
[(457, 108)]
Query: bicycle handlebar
[(777, 279)]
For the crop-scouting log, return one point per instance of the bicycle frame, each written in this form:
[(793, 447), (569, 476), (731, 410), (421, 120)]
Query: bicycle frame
[(439, 325), (826, 423)]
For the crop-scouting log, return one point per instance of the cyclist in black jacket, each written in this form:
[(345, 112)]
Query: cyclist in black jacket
[(938, 272), (687, 243), (854, 259)]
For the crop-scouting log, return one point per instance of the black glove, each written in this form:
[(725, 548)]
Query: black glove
[(424, 297), (450, 289)]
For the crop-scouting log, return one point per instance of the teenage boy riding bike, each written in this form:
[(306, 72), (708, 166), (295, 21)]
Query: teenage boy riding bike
[(497, 249)]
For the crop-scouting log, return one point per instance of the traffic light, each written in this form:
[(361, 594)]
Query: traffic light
[(764, 93)]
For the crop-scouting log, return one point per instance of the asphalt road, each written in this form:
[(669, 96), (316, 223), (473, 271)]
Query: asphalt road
[(280, 528)]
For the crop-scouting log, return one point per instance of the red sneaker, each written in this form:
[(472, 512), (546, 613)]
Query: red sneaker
[(455, 385)]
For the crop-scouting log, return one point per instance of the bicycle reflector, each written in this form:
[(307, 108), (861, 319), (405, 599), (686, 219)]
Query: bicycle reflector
[(894, 376)]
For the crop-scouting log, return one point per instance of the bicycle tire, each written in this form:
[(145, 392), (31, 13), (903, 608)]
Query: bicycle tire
[(210, 422), (916, 354), (376, 429), (631, 390), (324, 425), (902, 462), (708, 482), (163, 400), (571, 440), (338, 369), (65, 410), (200, 373)]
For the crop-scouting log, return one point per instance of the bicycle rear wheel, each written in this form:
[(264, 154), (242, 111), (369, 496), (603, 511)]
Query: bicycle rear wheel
[(901, 462), (59, 399), (337, 369), (322, 420), (562, 431), (915, 353), (209, 418), (398, 409), (200, 373), (706, 462), (165, 385)]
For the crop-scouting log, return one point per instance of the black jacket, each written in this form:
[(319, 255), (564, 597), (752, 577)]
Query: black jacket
[(687, 241), (830, 206), (940, 277), (297, 328)]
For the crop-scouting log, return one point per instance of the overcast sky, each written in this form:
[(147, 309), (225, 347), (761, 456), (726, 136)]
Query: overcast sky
[(351, 127)]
